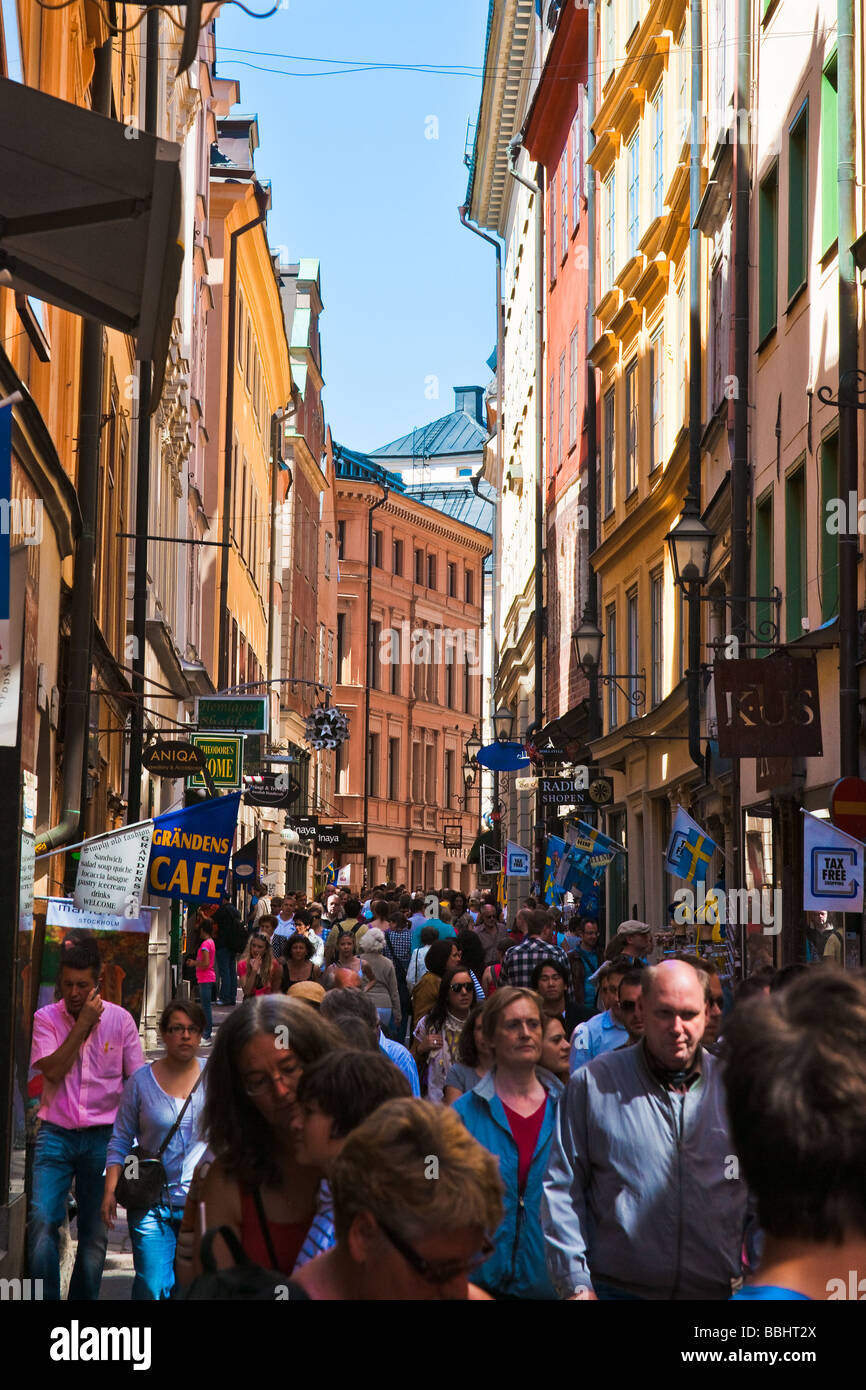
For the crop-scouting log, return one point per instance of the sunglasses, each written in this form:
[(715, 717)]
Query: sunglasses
[(628, 1005), (462, 989), (435, 1271)]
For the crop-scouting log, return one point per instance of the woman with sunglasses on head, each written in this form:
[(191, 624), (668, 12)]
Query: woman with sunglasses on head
[(437, 1035), (512, 1112), (298, 964), (154, 1099), (258, 972), (255, 1186)]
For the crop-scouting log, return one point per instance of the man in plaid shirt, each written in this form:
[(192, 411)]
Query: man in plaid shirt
[(537, 945)]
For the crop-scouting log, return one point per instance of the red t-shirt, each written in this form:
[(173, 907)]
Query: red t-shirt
[(525, 1129)]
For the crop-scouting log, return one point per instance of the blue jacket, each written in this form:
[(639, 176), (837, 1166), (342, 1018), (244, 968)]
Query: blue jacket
[(517, 1266)]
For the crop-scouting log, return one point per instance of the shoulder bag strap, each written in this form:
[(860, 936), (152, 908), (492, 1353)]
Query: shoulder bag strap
[(171, 1133), (263, 1222)]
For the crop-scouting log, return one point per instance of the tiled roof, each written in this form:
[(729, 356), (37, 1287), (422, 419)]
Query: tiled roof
[(458, 500), (457, 433)]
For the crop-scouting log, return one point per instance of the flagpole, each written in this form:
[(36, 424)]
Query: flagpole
[(95, 839)]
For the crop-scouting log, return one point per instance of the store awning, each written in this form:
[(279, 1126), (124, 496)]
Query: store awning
[(90, 217), (565, 736)]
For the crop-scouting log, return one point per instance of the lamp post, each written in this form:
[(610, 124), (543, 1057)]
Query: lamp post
[(586, 644), (503, 723), (690, 544)]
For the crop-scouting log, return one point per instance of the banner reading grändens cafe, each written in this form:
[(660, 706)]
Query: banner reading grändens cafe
[(191, 849)]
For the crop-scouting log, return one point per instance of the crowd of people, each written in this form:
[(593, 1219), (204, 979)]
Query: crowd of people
[(410, 1097)]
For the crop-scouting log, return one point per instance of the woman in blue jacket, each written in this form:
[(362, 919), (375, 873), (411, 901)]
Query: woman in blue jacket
[(512, 1112)]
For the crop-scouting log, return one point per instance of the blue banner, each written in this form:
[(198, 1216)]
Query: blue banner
[(191, 849), (5, 497)]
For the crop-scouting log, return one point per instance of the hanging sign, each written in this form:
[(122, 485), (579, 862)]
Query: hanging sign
[(229, 714), (768, 707), (833, 864), (224, 759), (489, 860), (191, 849), (173, 759), (112, 870), (517, 861)]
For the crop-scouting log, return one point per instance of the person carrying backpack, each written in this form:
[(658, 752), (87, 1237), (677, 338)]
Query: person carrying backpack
[(231, 940)]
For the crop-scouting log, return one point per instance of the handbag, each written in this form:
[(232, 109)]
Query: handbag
[(143, 1178)]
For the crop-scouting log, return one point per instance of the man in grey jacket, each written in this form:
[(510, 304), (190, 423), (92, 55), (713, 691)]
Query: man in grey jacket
[(642, 1198)]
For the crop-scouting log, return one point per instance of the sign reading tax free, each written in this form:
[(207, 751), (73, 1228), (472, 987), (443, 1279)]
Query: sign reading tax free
[(224, 755), (228, 714)]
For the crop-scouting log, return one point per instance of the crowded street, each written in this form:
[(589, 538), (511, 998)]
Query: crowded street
[(432, 647)]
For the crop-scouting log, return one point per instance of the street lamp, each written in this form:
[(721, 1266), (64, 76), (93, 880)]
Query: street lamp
[(586, 642), (690, 543), (469, 770), (473, 745), (503, 723)]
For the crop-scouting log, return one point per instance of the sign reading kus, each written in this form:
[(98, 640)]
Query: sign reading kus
[(768, 707)]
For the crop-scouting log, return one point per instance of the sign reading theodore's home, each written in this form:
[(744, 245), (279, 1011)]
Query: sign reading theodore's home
[(768, 707)]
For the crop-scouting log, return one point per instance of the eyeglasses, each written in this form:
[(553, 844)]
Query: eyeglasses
[(436, 1271), (183, 1028), (257, 1085), (462, 989)]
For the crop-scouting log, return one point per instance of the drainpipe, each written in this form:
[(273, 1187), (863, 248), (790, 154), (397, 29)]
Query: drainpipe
[(367, 664), (87, 487), (591, 605), (849, 731), (693, 496)]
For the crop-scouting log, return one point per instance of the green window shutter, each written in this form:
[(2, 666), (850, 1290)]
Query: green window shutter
[(764, 565), (798, 200), (795, 544), (829, 540), (829, 155), (768, 252)]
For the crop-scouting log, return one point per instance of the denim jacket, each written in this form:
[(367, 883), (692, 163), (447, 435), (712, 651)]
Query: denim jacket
[(517, 1266)]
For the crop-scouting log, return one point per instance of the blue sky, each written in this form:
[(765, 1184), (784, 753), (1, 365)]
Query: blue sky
[(408, 293)]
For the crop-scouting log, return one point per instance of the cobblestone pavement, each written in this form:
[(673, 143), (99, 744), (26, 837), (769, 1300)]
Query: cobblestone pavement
[(119, 1272)]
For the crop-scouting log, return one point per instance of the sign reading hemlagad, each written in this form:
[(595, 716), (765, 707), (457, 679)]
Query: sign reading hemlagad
[(223, 754), (192, 848), (111, 872), (517, 861), (833, 865), (232, 714)]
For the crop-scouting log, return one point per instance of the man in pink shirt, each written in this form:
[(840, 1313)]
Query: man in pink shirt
[(85, 1049)]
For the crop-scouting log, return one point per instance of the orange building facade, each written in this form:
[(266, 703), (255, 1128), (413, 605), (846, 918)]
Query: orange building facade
[(418, 663)]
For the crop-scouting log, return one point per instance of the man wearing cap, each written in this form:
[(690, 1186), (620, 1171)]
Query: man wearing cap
[(633, 939), (605, 1031), (641, 1198)]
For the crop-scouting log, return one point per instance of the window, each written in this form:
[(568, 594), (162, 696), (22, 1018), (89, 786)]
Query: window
[(448, 790), (633, 653), (397, 557), (431, 571), (633, 16), (242, 316), (572, 390), (470, 586), (657, 399), (551, 430), (682, 632), (764, 563), (449, 684), (575, 166), (609, 43), (633, 217), (430, 776), (341, 769), (396, 659), (563, 201), (612, 666), (609, 230), (374, 654), (419, 566), (658, 118), (631, 428), (829, 539), (341, 540), (376, 550), (330, 677), (768, 252), (658, 649), (417, 781), (798, 200), (553, 225), (561, 435), (327, 560), (717, 335), (373, 765), (682, 348), (684, 112), (795, 553), (829, 154), (393, 769), (452, 580), (343, 673), (467, 688), (609, 453)]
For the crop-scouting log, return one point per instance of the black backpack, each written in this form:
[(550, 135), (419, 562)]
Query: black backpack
[(245, 1281), (232, 932)]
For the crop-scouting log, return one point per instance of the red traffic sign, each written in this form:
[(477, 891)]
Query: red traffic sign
[(848, 806)]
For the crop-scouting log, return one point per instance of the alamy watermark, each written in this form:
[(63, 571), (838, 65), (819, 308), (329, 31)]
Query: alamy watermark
[(731, 907), (22, 517)]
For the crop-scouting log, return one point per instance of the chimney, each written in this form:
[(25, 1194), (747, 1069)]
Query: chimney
[(471, 399)]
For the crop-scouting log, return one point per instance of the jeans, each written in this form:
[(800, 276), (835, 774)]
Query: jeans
[(385, 1019), (205, 992), (154, 1241), (61, 1155), (227, 969)]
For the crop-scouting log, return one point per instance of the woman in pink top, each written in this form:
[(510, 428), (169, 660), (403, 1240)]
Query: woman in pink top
[(258, 972), (205, 973)]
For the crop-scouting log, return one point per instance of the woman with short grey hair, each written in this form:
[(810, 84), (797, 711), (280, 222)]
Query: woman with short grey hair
[(381, 979)]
